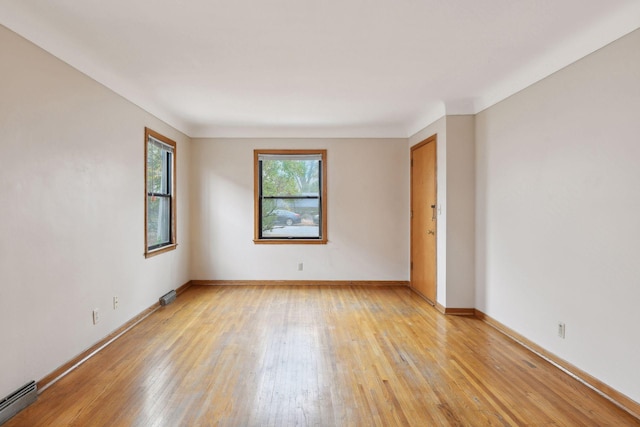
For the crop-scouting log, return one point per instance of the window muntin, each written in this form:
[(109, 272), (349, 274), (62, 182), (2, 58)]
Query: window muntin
[(290, 196), (160, 160)]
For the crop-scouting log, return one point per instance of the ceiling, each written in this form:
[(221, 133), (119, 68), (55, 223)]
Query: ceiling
[(323, 68)]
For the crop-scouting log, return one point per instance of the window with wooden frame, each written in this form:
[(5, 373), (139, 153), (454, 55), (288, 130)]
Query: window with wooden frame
[(290, 196), (160, 193)]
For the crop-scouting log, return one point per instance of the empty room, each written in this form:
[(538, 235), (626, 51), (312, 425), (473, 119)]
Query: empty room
[(338, 213)]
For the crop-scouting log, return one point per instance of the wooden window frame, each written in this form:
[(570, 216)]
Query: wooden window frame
[(173, 242), (323, 198)]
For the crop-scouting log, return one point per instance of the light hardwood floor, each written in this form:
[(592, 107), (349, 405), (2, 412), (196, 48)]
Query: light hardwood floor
[(315, 356)]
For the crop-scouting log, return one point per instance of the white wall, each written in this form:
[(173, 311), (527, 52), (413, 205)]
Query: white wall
[(368, 211), (558, 203), (72, 213), (461, 183)]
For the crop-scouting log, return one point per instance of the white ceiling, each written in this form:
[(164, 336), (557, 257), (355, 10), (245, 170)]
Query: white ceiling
[(312, 68)]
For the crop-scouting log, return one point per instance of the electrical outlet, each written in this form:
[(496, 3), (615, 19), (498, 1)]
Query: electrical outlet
[(115, 303), (300, 266), (96, 316), (561, 329)]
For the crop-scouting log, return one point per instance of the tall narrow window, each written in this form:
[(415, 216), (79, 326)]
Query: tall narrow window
[(290, 196), (160, 201)]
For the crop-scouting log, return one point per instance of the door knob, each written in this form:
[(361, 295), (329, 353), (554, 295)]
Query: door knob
[(431, 232)]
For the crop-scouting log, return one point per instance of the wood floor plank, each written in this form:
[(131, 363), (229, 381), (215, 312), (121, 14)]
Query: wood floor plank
[(315, 356)]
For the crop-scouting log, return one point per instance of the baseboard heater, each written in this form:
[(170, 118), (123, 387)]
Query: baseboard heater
[(168, 298), (17, 401)]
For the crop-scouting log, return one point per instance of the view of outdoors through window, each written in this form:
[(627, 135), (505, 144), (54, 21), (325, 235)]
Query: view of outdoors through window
[(290, 196), (159, 163)]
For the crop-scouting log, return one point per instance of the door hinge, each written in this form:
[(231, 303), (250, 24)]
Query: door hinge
[(412, 265)]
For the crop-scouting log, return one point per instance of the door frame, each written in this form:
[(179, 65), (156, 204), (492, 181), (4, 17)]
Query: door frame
[(433, 138)]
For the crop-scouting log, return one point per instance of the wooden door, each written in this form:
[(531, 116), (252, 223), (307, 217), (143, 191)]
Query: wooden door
[(424, 218)]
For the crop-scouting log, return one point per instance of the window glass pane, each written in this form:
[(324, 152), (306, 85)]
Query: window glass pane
[(290, 177), (158, 220), (291, 218), (156, 165), (166, 173)]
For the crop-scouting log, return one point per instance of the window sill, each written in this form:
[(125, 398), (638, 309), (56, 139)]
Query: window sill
[(161, 250), (289, 242)]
